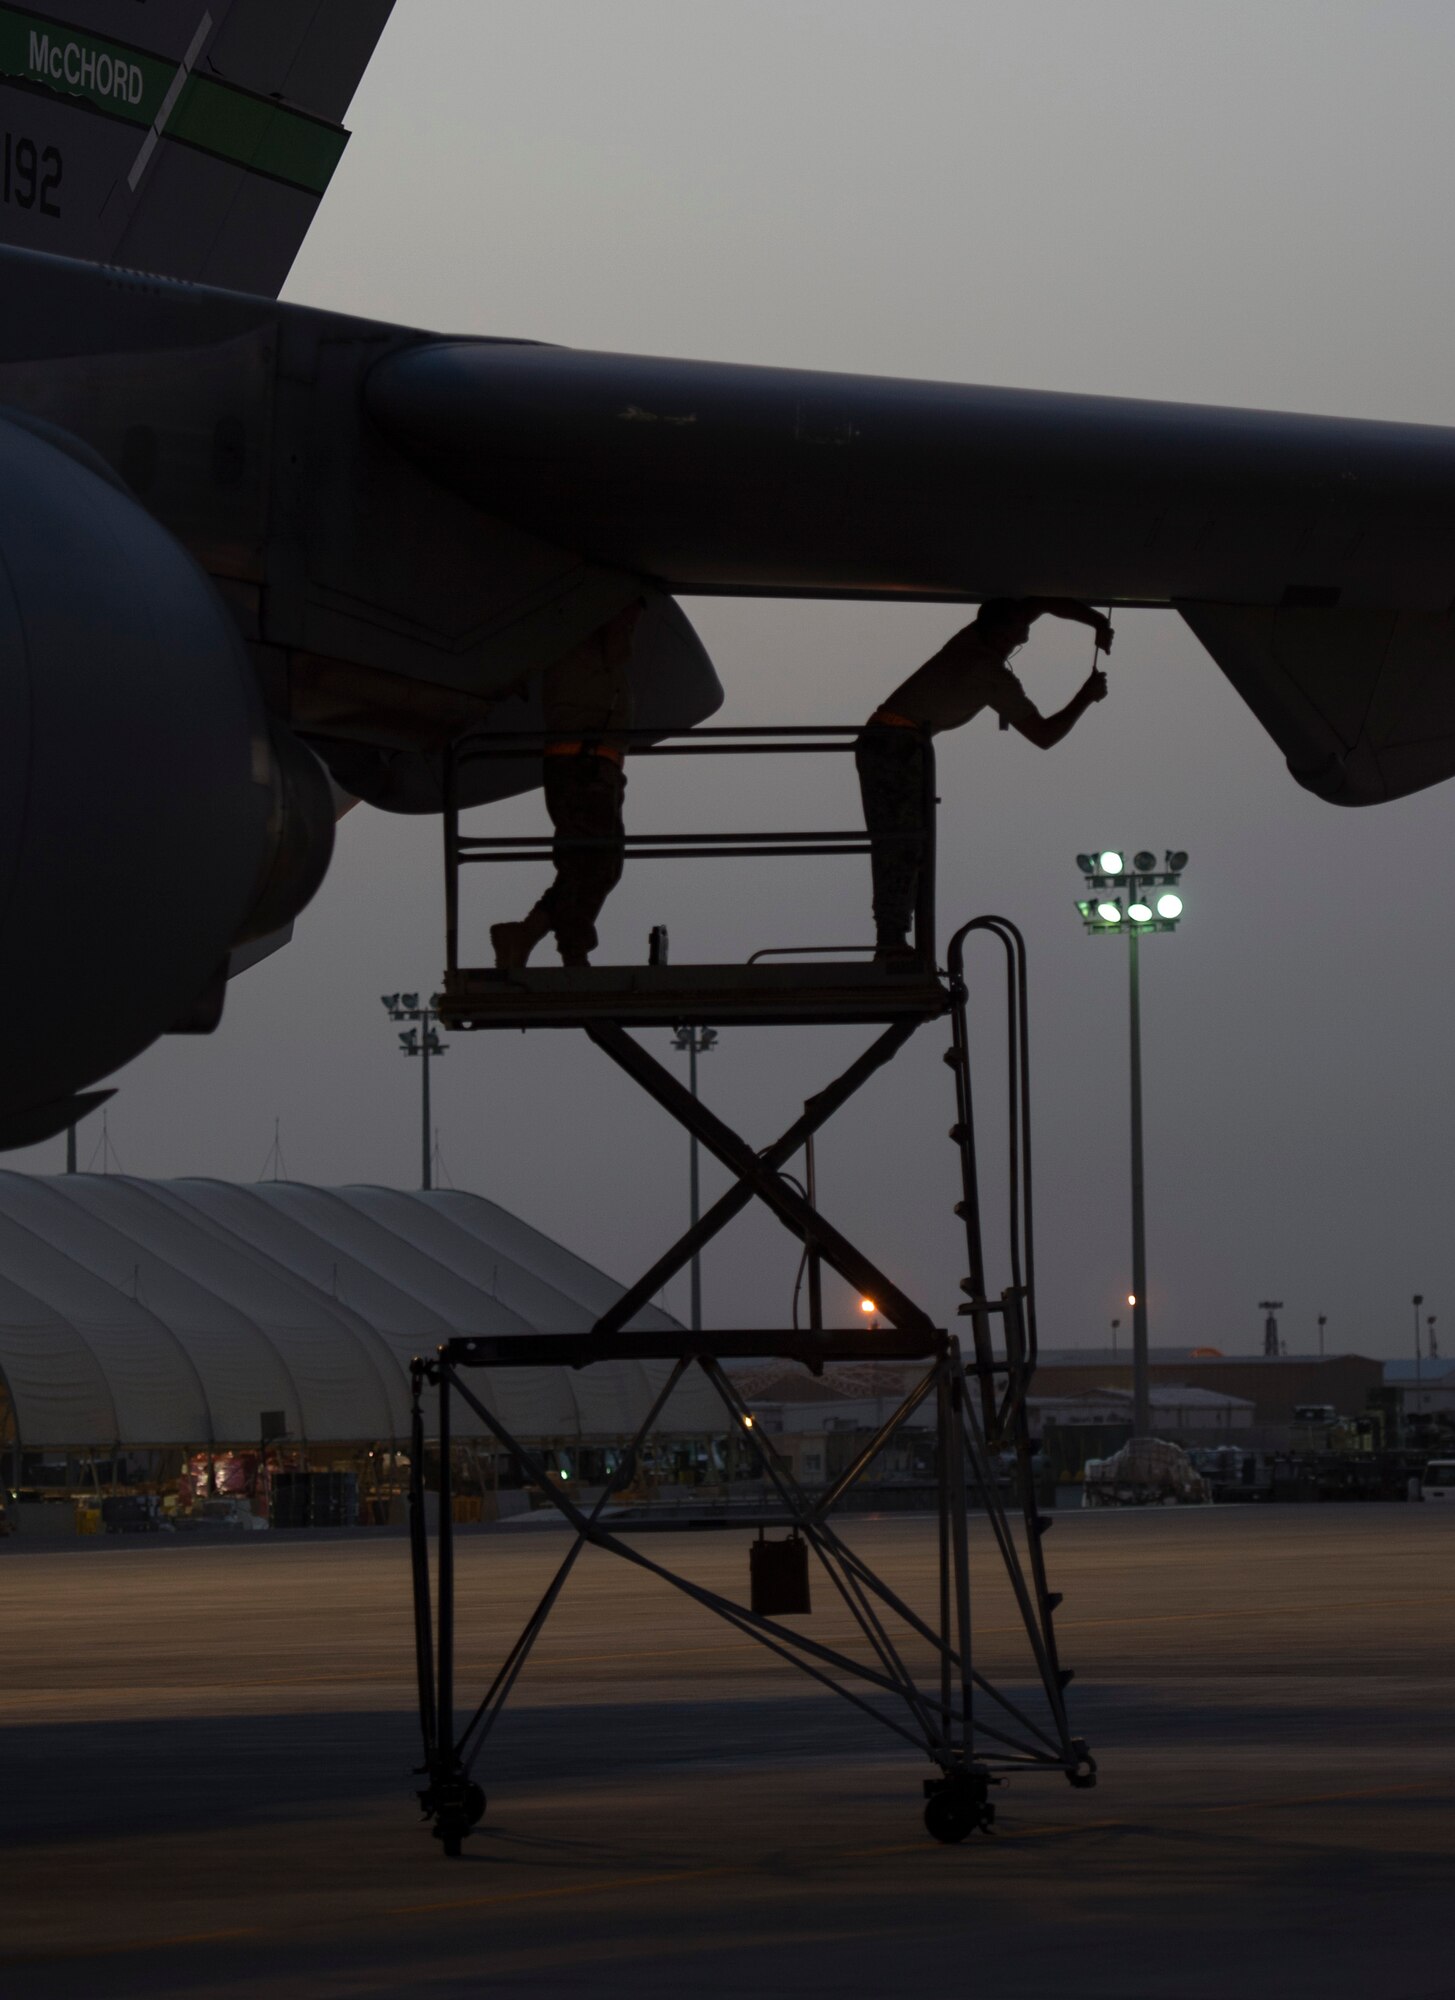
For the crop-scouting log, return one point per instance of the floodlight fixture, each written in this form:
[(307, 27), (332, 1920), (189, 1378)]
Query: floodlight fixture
[(389, 1000), (867, 1306), (1087, 864), (1140, 912), (1144, 861), (410, 1002), (1112, 863), (1176, 860), (1169, 907), (1109, 913)]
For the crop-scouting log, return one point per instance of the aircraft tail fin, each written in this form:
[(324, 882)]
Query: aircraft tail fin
[(192, 138)]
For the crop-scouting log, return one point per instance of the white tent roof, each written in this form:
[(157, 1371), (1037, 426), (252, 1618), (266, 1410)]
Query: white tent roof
[(140, 1312)]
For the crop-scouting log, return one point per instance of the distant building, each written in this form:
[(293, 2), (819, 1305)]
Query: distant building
[(1176, 1409), (1198, 1396), (1274, 1384), (1427, 1394)]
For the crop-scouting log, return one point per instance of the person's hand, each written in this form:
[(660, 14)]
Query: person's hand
[(1104, 637), (1094, 688)]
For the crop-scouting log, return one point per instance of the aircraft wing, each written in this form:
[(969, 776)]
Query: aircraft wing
[(191, 138), (1313, 557)]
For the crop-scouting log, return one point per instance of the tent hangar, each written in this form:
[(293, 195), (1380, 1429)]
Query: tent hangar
[(151, 1314)]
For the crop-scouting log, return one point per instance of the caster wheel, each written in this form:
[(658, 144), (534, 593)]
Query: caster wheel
[(953, 1814), (458, 1808), (1083, 1777)]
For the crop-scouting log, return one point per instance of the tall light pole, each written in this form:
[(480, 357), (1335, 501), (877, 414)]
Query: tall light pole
[(695, 1042), (1323, 1322), (1152, 904), (1418, 1301), (421, 1041)]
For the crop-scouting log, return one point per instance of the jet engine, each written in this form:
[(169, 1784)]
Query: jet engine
[(151, 817)]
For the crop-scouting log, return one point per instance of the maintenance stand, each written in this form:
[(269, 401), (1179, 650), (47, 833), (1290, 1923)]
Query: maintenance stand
[(973, 1732)]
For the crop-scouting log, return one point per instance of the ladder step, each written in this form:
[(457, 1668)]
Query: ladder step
[(953, 1058), (958, 1135)]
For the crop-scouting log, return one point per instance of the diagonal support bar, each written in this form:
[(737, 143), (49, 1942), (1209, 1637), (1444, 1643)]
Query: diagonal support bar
[(739, 1158), (499, 1691), (795, 1646), (871, 1451)]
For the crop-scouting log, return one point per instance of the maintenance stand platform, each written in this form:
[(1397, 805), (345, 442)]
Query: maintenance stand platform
[(973, 1733)]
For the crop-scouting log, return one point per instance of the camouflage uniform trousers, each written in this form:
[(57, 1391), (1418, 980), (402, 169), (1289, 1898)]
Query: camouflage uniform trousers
[(891, 768), (584, 797)]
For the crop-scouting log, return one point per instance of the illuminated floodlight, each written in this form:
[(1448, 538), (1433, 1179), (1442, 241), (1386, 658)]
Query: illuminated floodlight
[(1176, 860), (1169, 906), (1111, 862), (867, 1306), (1088, 910), (1139, 912), (1131, 1298), (1144, 861), (1109, 913)]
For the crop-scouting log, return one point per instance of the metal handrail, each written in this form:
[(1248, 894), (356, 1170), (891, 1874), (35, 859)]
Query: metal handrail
[(804, 951), (470, 842), (751, 739)]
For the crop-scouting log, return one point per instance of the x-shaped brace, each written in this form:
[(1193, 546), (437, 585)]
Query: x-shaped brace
[(759, 1174)]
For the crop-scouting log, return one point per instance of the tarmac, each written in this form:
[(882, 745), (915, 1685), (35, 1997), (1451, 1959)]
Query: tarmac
[(209, 1750)]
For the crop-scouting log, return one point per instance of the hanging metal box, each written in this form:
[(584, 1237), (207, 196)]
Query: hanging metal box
[(779, 1575)]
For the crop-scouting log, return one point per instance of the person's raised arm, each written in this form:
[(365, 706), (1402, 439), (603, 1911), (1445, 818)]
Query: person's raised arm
[(1046, 731)]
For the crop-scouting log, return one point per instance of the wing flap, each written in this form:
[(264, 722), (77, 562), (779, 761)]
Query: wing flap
[(1361, 703)]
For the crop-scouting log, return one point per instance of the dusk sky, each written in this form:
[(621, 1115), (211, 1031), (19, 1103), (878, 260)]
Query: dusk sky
[(1233, 204)]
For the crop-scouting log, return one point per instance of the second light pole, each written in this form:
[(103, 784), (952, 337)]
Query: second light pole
[(1152, 904), (424, 1042), (695, 1042)]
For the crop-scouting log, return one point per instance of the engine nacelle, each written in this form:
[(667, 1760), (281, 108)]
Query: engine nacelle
[(150, 818)]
